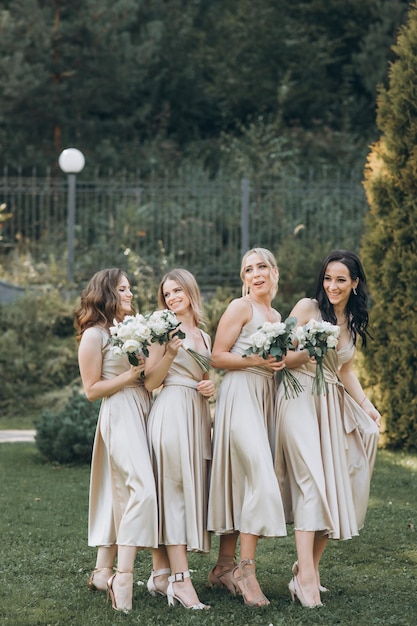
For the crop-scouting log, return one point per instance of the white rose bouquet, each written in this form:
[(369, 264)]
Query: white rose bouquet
[(275, 339), (131, 337), (162, 323), (318, 338)]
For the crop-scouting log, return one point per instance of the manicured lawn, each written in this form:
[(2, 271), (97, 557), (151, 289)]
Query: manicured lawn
[(45, 562)]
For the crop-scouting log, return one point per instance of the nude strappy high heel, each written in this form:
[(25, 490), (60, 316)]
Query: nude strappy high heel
[(224, 578), (243, 574), (295, 572), (297, 592), (98, 579), (173, 599), (124, 602), (152, 588)]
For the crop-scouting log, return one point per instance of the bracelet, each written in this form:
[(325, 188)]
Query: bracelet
[(363, 400)]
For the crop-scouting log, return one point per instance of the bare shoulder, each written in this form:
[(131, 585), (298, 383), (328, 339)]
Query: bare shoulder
[(239, 305), (94, 335), (94, 332), (305, 310), (238, 309)]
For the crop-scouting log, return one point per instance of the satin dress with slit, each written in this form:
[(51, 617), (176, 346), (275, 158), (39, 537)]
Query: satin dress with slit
[(244, 491), (325, 450), (179, 429), (122, 505)]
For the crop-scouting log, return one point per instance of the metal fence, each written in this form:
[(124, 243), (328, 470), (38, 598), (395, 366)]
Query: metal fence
[(198, 223)]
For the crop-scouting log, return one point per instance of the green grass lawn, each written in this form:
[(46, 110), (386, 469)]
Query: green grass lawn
[(45, 562)]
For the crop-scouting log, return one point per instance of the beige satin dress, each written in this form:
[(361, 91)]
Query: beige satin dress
[(122, 507), (179, 436), (244, 491), (324, 451)]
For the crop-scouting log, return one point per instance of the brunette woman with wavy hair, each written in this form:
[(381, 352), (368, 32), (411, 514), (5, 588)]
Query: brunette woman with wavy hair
[(122, 505)]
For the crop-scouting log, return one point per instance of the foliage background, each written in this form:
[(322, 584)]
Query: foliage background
[(145, 84), (390, 245), (260, 89)]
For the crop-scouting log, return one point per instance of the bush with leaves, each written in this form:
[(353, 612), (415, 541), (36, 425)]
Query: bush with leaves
[(67, 436), (39, 351), (389, 247)]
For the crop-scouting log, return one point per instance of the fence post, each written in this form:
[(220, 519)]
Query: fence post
[(244, 216)]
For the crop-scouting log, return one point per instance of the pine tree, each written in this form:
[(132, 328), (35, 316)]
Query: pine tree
[(390, 245), (71, 72)]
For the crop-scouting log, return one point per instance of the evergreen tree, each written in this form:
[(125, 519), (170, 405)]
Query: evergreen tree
[(390, 245), (118, 77), (70, 71)]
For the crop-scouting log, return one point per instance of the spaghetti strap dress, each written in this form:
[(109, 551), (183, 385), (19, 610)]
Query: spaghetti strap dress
[(324, 451), (122, 505), (244, 491), (179, 430)]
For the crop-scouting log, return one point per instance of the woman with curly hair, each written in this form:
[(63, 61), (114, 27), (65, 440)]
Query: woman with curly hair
[(122, 505)]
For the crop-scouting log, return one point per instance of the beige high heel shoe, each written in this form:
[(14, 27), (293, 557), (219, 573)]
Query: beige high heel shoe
[(224, 578), (173, 598), (98, 579), (296, 592), (243, 574), (152, 588), (124, 602), (295, 572)]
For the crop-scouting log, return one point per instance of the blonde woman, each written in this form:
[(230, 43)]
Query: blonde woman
[(179, 437), (244, 494)]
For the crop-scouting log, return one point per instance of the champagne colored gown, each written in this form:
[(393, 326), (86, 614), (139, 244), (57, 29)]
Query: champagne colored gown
[(325, 450), (244, 491), (122, 508), (179, 436)]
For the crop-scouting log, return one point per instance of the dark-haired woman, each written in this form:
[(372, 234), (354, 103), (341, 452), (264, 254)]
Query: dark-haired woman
[(122, 506), (326, 444)]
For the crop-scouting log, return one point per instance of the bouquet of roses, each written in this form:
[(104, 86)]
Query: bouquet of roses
[(318, 337), (275, 339), (131, 337), (162, 323)]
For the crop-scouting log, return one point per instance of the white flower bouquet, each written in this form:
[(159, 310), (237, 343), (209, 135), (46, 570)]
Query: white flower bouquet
[(131, 337), (318, 338), (275, 339), (162, 323)]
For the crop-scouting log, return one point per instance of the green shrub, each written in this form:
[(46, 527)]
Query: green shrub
[(389, 247), (39, 350), (67, 436)]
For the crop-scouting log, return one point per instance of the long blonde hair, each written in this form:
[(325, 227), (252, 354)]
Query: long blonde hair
[(269, 259), (189, 285)]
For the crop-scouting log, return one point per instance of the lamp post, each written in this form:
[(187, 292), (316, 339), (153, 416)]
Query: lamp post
[(71, 161)]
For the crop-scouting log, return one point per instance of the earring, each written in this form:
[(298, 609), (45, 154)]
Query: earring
[(354, 291)]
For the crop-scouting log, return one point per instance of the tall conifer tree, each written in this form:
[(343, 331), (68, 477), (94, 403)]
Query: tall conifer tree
[(390, 245)]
